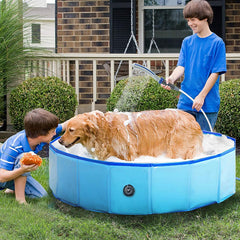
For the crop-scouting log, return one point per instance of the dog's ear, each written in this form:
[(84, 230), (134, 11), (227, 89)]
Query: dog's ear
[(91, 127)]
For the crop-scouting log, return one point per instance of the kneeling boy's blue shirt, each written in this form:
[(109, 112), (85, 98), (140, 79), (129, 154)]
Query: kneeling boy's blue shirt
[(201, 57), (16, 145)]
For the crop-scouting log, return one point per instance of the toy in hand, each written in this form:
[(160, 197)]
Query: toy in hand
[(31, 158)]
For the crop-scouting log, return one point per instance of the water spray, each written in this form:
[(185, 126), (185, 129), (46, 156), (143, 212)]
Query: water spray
[(161, 80)]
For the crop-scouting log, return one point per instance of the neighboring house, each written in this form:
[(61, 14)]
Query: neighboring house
[(40, 31), (105, 26)]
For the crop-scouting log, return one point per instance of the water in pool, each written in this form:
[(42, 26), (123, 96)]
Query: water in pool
[(212, 145)]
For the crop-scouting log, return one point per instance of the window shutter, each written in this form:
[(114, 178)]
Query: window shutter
[(120, 25), (218, 25)]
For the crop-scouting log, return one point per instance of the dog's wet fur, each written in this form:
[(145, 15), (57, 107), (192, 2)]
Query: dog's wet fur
[(130, 135)]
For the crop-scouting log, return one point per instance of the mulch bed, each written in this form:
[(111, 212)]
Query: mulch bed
[(238, 149), (44, 153)]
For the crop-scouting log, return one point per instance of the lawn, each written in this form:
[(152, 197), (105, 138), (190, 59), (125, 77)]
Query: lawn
[(51, 219)]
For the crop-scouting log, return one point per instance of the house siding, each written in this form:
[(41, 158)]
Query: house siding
[(84, 27), (43, 14)]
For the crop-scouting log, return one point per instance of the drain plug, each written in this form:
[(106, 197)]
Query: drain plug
[(128, 190)]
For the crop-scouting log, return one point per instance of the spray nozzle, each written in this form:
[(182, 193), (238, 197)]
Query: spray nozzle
[(154, 76)]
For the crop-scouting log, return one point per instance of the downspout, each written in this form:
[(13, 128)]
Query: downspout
[(56, 27)]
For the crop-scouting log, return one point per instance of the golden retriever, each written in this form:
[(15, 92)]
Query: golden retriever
[(130, 135)]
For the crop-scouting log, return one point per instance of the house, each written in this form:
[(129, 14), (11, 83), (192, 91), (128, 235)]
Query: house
[(110, 26), (40, 29)]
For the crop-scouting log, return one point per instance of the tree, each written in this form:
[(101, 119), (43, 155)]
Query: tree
[(12, 51)]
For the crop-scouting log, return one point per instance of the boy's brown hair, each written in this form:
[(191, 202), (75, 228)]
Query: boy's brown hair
[(200, 9), (39, 122)]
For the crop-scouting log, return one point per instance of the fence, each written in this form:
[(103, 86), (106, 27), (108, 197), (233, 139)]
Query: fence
[(68, 66)]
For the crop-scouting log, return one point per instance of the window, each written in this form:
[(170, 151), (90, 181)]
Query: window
[(36, 33), (162, 20)]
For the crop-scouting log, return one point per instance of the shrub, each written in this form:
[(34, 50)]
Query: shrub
[(49, 93), (141, 93), (229, 113)]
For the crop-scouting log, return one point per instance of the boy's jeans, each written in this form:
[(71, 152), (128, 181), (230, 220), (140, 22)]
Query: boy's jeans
[(212, 117), (33, 188)]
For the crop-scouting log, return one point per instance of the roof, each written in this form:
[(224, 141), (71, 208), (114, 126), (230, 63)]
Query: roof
[(42, 12)]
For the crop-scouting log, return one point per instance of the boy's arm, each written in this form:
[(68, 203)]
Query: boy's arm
[(64, 125), (61, 128), (199, 100), (6, 175)]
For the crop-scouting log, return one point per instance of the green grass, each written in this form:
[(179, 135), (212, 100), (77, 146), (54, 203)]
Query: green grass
[(51, 219)]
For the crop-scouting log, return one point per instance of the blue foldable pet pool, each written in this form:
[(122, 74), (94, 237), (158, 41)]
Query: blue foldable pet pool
[(141, 188)]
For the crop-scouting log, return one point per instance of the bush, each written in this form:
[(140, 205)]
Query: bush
[(141, 93), (229, 113), (49, 93), (1, 101)]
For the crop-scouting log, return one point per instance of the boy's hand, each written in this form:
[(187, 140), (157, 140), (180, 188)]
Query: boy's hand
[(29, 168), (168, 80), (198, 103)]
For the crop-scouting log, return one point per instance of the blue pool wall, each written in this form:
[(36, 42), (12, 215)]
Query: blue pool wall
[(158, 188)]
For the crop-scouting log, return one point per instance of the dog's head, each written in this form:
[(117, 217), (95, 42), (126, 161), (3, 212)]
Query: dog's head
[(79, 129)]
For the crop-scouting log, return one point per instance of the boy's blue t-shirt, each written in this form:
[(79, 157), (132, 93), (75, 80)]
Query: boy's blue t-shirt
[(201, 57), (16, 145)]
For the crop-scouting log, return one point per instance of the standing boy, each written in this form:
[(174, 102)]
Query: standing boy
[(202, 60), (40, 127)]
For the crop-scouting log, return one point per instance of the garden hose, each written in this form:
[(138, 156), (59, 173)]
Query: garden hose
[(172, 86)]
